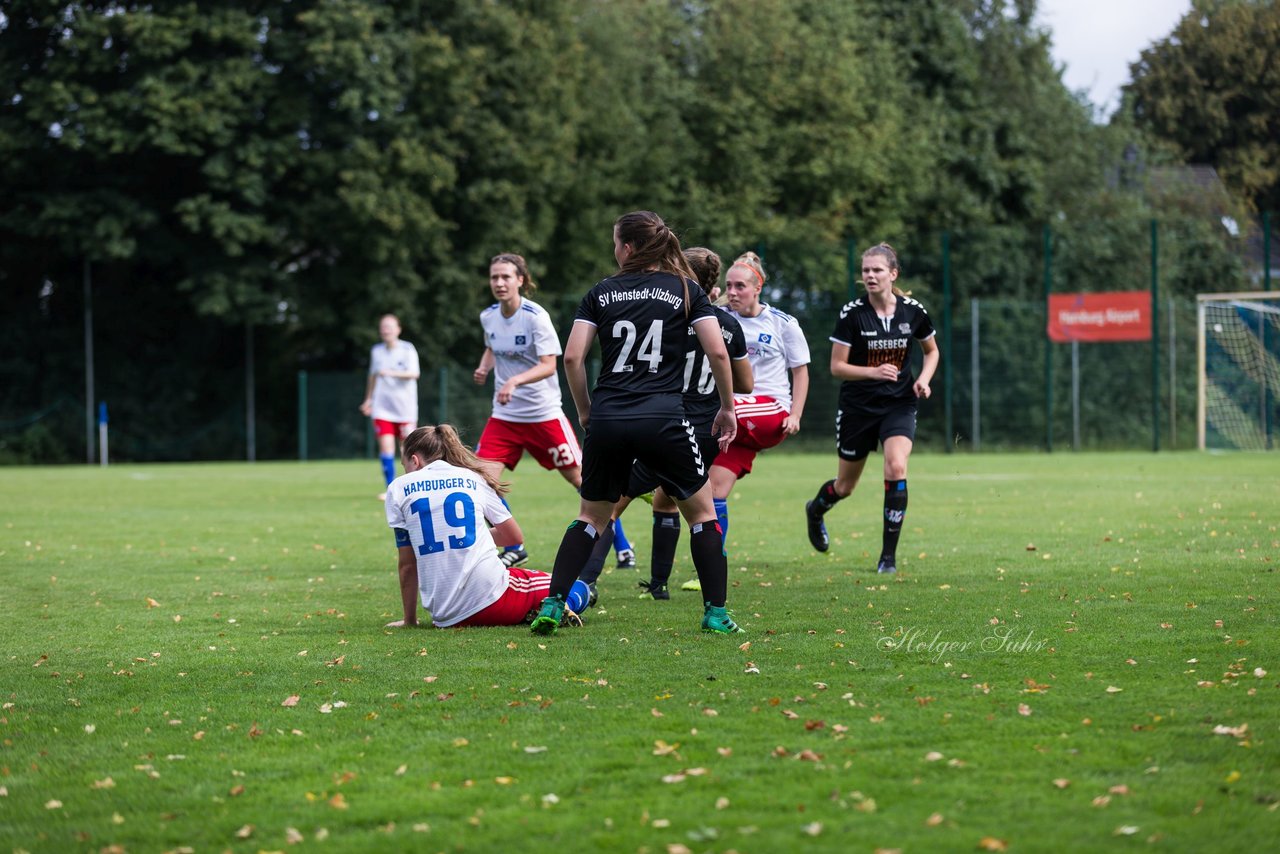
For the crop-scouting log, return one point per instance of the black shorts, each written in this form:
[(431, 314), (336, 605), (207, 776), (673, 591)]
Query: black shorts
[(644, 479), (666, 445), (859, 431)]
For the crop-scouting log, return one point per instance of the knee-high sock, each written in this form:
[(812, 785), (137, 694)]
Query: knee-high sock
[(575, 548), (514, 547), (595, 564), (666, 536), (709, 560), (722, 519), (895, 510), (826, 497), (620, 541), (388, 467)]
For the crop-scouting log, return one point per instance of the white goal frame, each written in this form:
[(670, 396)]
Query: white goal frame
[(1248, 299)]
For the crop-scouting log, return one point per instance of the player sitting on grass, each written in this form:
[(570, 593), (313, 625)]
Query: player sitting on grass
[(438, 510)]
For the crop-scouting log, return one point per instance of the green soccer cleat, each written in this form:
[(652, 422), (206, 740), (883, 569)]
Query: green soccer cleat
[(550, 615), (717, 619), (692, 584)]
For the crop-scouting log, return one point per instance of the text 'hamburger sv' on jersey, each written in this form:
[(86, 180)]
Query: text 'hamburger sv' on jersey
[(642, 325)]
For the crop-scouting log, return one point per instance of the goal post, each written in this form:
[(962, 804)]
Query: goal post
[(1238, 366)]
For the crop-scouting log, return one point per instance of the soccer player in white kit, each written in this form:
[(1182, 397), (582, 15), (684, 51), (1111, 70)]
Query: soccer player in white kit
[(441, 510), (775, 346), (391, 394), (521, 347)]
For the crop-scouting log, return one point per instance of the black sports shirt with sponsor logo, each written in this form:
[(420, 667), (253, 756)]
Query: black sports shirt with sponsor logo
[(874, 340), (641, 323)]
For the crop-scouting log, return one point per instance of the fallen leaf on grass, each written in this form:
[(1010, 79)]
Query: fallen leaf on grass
[(53, 804), (807, 755), (106, 783), (932, 756), (990, 843), (1111, 689), (1024, 710), (1235, 731), (934, 820), (245, 832), (661, 748), (1125, 830), (1121, 789), (290, 701), (1062, 782), (151, 603), (292, 836), (339, 802), (813, 829), (722, 803)]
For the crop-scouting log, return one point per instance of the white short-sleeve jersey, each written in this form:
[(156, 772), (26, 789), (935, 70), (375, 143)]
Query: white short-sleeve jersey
[(775, 345), (440, 512), (518, 342), (394, 399)]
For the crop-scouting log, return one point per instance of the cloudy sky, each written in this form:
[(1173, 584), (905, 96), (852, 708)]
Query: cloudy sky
[(1097, 40)]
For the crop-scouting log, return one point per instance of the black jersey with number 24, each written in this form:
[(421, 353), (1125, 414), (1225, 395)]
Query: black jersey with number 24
[(643, 330), (875, 340)]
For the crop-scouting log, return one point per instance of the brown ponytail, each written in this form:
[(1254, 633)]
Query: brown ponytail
[(705, 265), (441, 442), (653, 244)]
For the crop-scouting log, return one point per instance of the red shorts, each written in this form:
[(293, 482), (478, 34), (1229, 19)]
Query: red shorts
[(552, 443), (399, 429), (759, 427), (526, 588)]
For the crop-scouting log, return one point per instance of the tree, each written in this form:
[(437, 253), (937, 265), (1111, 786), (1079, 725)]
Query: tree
[(1212, 89)]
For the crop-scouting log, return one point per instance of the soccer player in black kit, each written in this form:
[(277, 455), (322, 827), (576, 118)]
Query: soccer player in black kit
[(642, 316), (871, 352)]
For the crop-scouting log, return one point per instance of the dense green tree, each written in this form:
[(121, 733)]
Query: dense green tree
[(1212, 88)]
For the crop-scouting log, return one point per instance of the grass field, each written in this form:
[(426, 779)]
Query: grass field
[(1081, 652)]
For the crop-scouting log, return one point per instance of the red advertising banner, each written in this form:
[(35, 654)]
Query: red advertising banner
[(1107, 316)]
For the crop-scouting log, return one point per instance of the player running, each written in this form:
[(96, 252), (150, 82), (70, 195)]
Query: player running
[(871, 352), (642, 317), (521, 347)]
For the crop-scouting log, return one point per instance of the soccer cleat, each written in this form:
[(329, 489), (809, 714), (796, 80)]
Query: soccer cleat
[(656, 589), (627, 559), (886, 566), (716, 619), (693, 584), (513, 557), (550, 616), (817, 528), (595, 597)]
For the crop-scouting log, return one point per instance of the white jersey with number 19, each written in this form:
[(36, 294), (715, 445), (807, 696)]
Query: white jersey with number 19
[(440, 511)]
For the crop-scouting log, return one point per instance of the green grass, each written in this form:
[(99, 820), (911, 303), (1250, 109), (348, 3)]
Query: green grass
[(1081, 618)]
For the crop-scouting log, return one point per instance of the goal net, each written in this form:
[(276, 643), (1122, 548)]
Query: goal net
[(1238, 350)]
